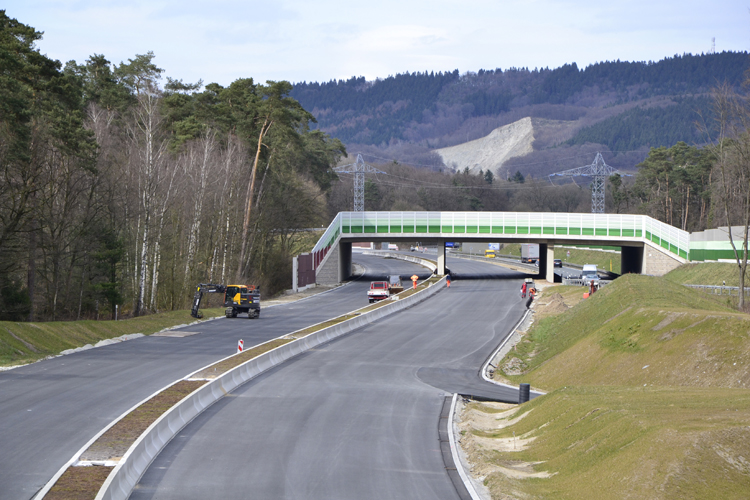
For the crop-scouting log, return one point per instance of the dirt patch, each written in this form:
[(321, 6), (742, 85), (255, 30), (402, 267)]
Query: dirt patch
[(113, 444), (79, 483), (514, 366), (554, 304), (27, 344), (624, 311), (666, 321)]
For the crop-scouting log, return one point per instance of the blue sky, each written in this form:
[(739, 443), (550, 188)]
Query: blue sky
[(300, 40)]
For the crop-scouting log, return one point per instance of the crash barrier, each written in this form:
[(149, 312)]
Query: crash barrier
[(429, 264), (721, 290), (134, 463), (499, 261)]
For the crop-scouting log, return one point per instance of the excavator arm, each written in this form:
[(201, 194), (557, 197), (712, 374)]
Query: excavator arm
[(199, 291)]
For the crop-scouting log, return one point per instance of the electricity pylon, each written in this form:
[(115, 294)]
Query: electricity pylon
[(599, 171), (358, 169)]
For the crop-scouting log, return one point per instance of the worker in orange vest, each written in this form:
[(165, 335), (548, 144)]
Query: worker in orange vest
[(448, 280), (414, 279), (523, 290)]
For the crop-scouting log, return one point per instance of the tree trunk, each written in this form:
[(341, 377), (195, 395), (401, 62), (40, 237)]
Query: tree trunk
[(241, 268)]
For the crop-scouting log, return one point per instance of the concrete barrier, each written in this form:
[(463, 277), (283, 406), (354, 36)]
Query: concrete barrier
[(429, 264), (134, 463)]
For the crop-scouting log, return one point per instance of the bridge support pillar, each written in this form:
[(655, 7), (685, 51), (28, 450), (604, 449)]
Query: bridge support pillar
[(345, 260), (549, 267), (542, 262), (441, 257)]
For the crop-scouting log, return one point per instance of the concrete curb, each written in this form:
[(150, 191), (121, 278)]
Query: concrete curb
[(507, 342), (456, 458), (134, 463)]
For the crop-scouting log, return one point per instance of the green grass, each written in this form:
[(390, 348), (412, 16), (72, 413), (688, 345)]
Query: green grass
[(22, 343), (629, 442), (709, 273), (633, 322), (649, 397)]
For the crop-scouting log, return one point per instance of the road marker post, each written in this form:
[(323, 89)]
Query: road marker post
[(240, 345)]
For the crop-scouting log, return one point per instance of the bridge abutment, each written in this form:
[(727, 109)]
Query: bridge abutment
[(656, 262)]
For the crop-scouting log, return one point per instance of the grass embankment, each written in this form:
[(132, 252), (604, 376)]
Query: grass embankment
[(606, 261), (22, 343), (648, 398), (710, 273)]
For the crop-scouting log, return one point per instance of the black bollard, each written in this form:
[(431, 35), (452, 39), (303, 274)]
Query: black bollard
[(523, 393)]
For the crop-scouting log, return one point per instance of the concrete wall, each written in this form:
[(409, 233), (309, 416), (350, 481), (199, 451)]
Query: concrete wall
[(328, 272), (656, 262)]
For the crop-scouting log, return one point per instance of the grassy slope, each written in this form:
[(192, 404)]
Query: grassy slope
[(608, 442), (709, 273), (22, 343), (648, 398), (684, 336)]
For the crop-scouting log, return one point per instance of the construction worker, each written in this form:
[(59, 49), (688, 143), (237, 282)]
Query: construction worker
[(448, 280), (523, 290), (414, 279)]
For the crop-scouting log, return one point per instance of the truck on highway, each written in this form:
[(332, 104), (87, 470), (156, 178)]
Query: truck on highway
[(379, 290), (529, 252), (394, 284), (589, 274)]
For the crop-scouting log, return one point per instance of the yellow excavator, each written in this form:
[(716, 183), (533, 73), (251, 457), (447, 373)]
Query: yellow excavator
[(238, 299)]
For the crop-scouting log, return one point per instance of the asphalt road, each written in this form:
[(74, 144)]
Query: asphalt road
[(50, 409), (354, 418)]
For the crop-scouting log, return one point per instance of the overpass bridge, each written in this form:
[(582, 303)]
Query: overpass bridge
[(648, 245)]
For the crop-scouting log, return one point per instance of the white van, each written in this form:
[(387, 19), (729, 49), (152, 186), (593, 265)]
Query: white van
[(589, 274)]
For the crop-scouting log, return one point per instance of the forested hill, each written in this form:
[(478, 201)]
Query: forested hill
[(444, 108)]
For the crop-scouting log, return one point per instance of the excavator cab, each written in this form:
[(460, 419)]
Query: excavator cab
[(237, 299), (242, 299)]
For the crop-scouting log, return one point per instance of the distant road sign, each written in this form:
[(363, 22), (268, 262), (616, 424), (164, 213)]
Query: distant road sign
[(493, 246)]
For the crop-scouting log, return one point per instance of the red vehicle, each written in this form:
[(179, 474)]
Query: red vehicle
[(378, 291)]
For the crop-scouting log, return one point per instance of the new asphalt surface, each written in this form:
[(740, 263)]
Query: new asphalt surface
[(354, 418), (50, 409)]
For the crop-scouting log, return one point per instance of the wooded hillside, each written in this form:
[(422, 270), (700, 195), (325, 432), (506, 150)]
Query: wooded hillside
[(617, 106)]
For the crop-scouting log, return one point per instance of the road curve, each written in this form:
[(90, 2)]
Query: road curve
[(355, 418), (50, 409)]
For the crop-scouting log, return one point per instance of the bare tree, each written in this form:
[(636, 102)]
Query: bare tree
[(733, 162)]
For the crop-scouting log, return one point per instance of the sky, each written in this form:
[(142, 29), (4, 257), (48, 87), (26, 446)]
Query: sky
[(320, 40)]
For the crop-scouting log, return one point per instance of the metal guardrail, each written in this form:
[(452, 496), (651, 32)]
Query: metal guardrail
[(720, 289), (582, 282)]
